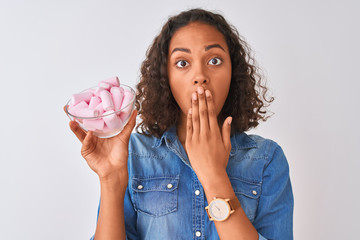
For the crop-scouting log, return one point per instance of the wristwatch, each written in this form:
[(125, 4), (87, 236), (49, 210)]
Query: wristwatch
[(220, 209)]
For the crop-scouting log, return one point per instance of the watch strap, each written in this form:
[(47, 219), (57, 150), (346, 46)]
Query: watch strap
[(234, 203)]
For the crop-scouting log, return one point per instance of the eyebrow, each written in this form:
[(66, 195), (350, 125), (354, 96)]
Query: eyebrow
[(206, 48), (181, 49), (214, 46)]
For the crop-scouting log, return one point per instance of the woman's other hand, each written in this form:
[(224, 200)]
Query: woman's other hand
[(208, 149)]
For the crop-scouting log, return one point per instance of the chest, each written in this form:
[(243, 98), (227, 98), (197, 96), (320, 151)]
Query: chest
[(168, 197)]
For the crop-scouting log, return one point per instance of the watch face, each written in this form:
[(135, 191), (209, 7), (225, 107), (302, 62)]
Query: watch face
[(219, 209)]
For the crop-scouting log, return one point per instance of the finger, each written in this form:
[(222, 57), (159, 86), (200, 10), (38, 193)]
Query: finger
[(213, 124), (195, 113), (203, 111), (126, 132), (88, 144), (77, 130), (189, 128), (226, 132)]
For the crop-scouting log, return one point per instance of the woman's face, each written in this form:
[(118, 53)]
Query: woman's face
[(199, 57)]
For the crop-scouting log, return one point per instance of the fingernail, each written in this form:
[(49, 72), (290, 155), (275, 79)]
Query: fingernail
[(190, 111), (229, 121), (207, 93), (200, 90), (194, 96)]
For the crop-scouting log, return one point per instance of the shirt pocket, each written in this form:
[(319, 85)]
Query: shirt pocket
[(248, 194), (155, 196)]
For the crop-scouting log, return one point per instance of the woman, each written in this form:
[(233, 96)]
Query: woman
[(191, 172)]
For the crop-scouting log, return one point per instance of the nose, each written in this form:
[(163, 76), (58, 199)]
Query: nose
[(200, 76), (200, 82)]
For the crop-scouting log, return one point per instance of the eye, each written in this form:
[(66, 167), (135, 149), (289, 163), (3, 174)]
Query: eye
[(215, 61), (181, 64)]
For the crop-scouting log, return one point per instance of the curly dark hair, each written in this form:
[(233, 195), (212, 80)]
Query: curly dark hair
[(155, 102)]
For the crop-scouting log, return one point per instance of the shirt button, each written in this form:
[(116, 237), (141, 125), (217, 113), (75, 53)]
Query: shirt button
[(197, 192), (169, 186), (254, 192), (140, 187), (198, 233)]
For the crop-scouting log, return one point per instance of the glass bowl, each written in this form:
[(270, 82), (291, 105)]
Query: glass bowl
[(121, 118)]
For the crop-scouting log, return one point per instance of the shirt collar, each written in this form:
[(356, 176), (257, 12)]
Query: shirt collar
[(168, 136), (238, 140)]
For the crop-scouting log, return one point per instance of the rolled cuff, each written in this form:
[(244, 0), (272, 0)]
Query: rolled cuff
[(261, 237)]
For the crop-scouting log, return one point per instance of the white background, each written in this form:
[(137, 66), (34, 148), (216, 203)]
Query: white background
[(308, 50)]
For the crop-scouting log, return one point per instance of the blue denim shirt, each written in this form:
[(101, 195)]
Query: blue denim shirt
[(165, 199)]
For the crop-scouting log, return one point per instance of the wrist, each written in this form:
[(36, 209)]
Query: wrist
[(213, 179), (115, 179), (218, 185)]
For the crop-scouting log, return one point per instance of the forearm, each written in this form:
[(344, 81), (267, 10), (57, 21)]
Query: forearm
[(237, 226), (111, 224)]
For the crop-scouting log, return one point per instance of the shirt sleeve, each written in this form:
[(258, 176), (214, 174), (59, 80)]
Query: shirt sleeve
[(130, 217), (274, 217)]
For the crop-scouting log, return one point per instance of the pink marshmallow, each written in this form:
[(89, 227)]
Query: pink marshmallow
[(107, 101), (98, 91), (91, 90), (105, 85), (100, 108), (112, 121), (83, 96), (128, 97), (106, 128), (94, 124), (86, 112), (117, 97), (114, 81), (81, 104), (124, 116), (94, 101), (73, 109)]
